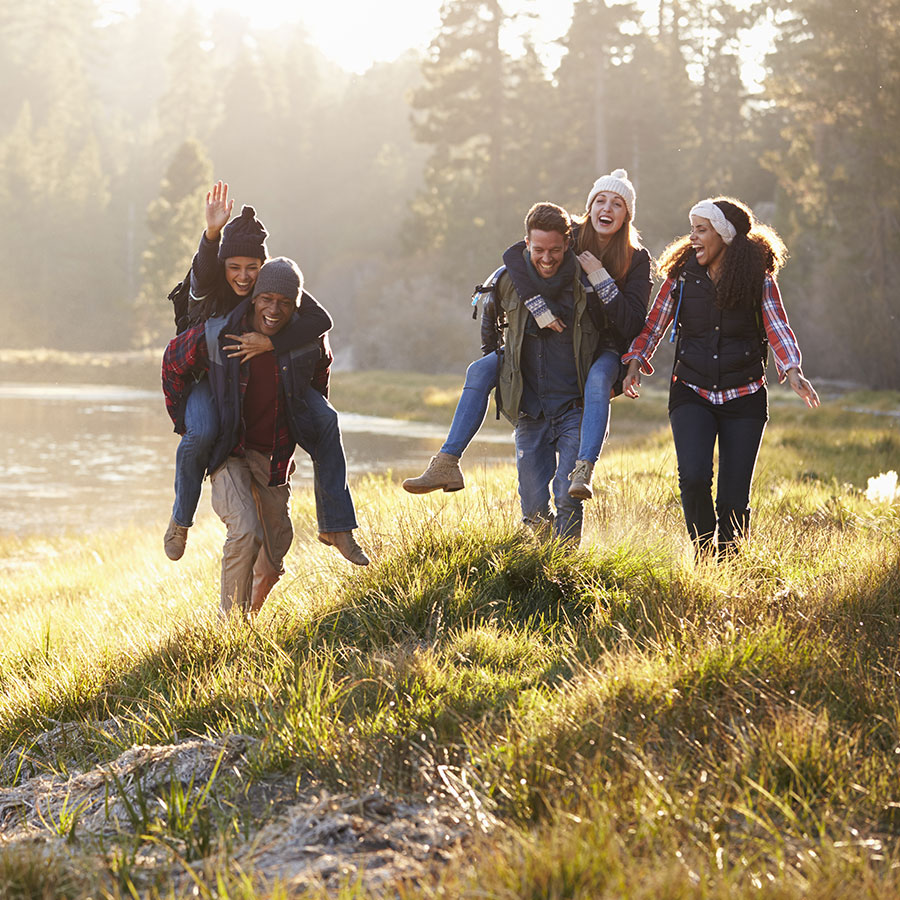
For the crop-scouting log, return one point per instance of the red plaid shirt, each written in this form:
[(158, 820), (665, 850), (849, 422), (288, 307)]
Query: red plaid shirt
[(186, 357), (778, 332)]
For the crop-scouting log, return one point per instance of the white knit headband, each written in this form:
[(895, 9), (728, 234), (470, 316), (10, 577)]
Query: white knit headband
[(706, 209)]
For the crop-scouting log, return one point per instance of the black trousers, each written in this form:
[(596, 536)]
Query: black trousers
[(697, 424)]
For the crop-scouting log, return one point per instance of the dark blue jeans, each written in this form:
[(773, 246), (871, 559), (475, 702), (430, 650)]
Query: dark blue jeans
[(546, 452), (334, 505), (481, 379), (738, 425), (192, 457)]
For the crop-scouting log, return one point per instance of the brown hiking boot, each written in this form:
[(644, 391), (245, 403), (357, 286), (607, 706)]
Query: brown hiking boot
[(443, 473), (175, 539), (580, 488), (346, 544)]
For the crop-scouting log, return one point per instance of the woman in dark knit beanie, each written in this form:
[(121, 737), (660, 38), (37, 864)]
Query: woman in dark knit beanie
[(223, 274), (720, 291)]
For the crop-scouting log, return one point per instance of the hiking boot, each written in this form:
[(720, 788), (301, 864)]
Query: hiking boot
[(346, 544), (541, 528), (175, 539), (580, 488), (443, 473)]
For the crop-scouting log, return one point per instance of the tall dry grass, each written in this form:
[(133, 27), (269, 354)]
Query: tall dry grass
[(621, 722)]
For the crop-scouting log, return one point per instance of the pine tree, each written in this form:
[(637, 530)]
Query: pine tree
[(710, 33), (460, 112), (837, 87), (188, 105), (175, 220), (588, 100)]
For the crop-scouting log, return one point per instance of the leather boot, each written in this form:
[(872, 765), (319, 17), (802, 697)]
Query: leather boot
[(175, 539), (443, 473), (346, 544), (580, 478)]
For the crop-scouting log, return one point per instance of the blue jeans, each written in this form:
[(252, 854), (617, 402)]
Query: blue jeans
[(334, 505), (481, 379), (595, 422), (546, 451), (192, 457), (695, 428)]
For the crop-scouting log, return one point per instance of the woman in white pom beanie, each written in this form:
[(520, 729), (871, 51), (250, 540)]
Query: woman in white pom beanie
[(616, 271), (720, 291)]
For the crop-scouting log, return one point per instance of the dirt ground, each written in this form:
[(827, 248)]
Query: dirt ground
[(157, 801)]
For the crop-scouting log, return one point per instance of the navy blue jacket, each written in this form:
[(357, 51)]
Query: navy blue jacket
[(297, 370)]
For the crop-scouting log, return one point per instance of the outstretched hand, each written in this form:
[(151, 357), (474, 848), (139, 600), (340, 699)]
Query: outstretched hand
[(218, 210), (802, 388), (632, 380), (248, 345)]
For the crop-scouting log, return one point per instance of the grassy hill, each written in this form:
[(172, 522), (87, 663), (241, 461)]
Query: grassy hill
[(476, 714)]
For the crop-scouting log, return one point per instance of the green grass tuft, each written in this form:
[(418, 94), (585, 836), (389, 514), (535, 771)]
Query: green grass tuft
[(612, 722)]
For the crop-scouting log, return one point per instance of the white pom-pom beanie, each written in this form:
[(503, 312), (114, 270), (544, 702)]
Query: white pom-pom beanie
[(616, 181)]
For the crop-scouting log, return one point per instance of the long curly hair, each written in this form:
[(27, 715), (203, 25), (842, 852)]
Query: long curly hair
[(756, 251), (616, 256)]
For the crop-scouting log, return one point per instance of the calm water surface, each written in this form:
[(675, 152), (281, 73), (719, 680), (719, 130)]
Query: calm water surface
[(81, 457)]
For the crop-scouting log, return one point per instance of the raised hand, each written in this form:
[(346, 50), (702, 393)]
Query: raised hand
[(218, 210)]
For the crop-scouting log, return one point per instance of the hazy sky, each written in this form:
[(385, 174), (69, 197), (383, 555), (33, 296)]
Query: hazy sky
[(356, 33)]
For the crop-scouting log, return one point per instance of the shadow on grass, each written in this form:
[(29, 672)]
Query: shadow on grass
[(448, 647)]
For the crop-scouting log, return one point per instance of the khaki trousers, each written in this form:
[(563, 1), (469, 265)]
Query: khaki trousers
[(259, 530)]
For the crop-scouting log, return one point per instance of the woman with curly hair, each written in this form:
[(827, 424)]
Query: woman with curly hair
[(721, 292)]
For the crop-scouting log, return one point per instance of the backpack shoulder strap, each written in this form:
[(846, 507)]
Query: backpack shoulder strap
[(677, 308), (180, 298), (482, 290)]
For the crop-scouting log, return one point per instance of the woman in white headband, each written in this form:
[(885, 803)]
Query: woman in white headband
[(615, 269), (720, 291)]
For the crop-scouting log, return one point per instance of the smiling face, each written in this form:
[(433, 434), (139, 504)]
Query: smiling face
[(706, 242), (241, 273), (607, 214), (271, 312), (546, 249)]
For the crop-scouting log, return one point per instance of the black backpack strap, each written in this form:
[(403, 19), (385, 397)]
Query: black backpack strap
[(763, 337), (677, 309), (180, 298)]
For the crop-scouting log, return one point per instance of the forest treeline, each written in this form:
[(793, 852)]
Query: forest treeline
[(397, 190)]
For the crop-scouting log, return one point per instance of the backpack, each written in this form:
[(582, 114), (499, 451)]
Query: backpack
[(482, 293), (180, 297)]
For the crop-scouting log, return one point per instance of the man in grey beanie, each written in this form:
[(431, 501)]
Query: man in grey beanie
[(223, 273), (267, 405)]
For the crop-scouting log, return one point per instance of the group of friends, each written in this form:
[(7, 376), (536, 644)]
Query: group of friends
[(565, 327)]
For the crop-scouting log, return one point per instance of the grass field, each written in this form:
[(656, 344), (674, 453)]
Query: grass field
[(476, 714)]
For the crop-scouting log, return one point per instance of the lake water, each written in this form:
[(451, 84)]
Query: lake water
[(80, 457)]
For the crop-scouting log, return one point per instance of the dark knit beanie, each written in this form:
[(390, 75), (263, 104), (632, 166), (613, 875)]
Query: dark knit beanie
[(280, 276), (244, 236)]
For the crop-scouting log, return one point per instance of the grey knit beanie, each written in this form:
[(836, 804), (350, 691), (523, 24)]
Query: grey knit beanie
[(280, 276), (244, 236)]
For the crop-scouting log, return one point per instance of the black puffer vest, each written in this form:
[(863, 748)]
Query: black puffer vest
[(717, 348)]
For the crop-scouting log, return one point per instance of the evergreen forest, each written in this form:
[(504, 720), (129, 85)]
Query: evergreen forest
[(397, 190)]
